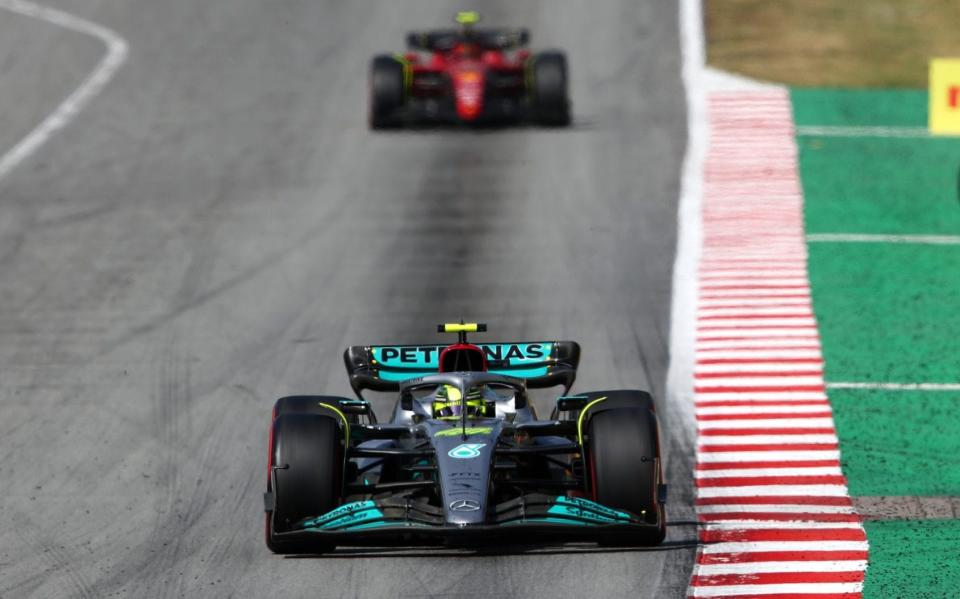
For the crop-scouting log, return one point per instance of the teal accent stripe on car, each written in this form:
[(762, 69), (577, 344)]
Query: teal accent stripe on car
[(583, 509), (402, 375), (346, 516)]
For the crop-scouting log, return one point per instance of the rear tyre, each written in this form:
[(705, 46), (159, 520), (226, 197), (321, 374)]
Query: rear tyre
[(387, 91), (306, 456), (624, 454), (551, 105)]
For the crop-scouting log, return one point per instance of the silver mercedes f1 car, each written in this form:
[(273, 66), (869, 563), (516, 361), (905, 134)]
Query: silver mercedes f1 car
[(464, 459)]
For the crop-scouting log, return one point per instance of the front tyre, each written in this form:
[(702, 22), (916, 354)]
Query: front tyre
[(306, 464), (551, 105), (624, 463), (387, 92)]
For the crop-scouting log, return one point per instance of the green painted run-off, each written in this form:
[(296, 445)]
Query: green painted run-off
[(889, 313)]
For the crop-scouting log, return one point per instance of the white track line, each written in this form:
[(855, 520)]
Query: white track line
[(68, 109), (683, 308), (755, 546), (750, 472), (773, 491), (759, 456), (783, 409), (829, 589), (878, 238), (751, 568), (897, 386), (747, 524), (776, 423), (841, 131), (773, 509), (774, 367)]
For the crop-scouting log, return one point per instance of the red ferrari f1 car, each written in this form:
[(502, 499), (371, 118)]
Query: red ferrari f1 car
[(469, 75)]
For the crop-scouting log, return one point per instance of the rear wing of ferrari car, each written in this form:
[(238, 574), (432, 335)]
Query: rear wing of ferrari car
[(541, 364), (445, 39)]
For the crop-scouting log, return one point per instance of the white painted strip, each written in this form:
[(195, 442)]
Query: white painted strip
[(762, 354), (773, 344), (897, 386), (802, 298), (760, 367), (784, 409), (683, 307), (771, 190), (866, 238), (768, 456), (81, 96), (778, 509), (767, 321), (759, 249), (759, 439), (755, 546), (752, 274), (824, 588), (773, 490), (773, 332), (764, 567), (731, 282), (737, 472), (796, 310), (775, 525), (706, 397), (731, 294), (848, 131), (753, 265), (810, 422), (761, 381)]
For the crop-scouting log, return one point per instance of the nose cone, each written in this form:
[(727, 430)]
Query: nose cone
[(468, 87), (464, 466)]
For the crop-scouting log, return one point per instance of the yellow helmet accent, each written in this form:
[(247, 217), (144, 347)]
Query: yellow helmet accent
[(467, 17)]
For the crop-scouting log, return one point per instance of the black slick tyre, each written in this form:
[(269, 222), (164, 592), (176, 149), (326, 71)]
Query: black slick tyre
[(306, 460), (551, 105), (387, 92), (623, 452)]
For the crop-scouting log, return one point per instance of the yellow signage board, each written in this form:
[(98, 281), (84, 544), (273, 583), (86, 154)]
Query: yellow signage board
[(945, 96)]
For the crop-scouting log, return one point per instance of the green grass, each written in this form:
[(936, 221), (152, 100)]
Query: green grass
[(870, 184), (832, 43), (913, 560), (860, 108), (899, 443), (888, 312)]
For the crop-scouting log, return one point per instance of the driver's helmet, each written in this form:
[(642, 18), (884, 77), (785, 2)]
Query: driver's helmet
[(448, 404), (466, 19)]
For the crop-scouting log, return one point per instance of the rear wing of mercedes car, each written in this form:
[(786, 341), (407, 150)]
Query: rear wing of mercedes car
[(542, 364)]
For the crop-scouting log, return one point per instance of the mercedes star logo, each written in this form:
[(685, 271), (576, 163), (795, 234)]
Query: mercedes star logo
[(464, 505)]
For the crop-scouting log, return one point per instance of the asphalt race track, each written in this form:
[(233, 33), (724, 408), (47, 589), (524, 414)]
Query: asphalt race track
[(213, 229)]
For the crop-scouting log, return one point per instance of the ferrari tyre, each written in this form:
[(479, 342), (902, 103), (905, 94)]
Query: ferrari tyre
[(624, 454), (387, 91), (551, 104), (306, 459)]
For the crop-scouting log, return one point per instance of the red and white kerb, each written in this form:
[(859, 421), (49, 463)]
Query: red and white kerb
[(775, 516)]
